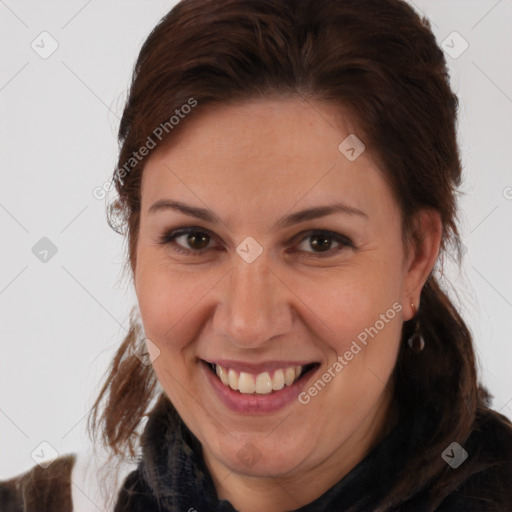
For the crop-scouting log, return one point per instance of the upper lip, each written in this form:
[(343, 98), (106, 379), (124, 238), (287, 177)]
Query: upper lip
[(249, 367)]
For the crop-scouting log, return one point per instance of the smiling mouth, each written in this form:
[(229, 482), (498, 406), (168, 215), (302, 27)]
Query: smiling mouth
[(262, 383)]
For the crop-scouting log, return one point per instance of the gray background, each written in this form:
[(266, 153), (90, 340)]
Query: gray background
[(62, 320)]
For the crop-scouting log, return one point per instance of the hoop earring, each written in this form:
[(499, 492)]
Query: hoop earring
[(416, 342)]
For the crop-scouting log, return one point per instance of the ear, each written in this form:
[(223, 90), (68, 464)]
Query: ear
[(421, 257)]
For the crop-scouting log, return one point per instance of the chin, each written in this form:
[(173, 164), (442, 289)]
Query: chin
[(260, 456)]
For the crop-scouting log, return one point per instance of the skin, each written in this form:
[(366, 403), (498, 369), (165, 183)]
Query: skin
[(251, 164)]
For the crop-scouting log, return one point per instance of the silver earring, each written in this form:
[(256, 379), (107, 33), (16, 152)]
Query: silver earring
[(416, 342)]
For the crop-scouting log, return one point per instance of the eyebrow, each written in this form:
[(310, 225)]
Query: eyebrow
[(288, 220)]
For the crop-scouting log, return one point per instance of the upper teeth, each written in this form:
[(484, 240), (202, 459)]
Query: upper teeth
[(262, 383)]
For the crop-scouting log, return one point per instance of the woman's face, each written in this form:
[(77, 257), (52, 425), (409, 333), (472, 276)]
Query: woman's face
[(258, 289)]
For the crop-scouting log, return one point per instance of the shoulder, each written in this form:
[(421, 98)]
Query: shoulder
[(77, 482), (488, 485), (40, 489)]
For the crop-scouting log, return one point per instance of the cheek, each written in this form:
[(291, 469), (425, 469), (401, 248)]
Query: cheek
[(345, 303), (170, 299), (166, 300), (158, 295), (363, 314)]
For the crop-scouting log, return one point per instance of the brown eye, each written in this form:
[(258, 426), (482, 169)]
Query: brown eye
[(197, 240), (322, 242), (193, 240)]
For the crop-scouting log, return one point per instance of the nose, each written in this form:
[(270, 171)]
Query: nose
[(254, 305)]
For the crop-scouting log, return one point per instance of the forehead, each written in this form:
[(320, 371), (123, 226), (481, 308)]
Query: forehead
[(272, 153), (261, 131)]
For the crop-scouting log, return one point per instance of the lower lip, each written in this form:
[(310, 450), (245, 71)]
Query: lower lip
[(254, 403)]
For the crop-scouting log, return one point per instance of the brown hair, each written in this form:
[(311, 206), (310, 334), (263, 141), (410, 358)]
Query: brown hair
[(378, 61)]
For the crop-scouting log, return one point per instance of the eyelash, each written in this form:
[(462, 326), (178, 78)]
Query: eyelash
[(170, 236)]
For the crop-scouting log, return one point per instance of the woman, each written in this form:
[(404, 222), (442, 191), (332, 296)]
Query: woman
[(287, 179)]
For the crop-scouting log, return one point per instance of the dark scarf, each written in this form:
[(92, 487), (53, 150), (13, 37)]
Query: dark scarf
[(172, 476)]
